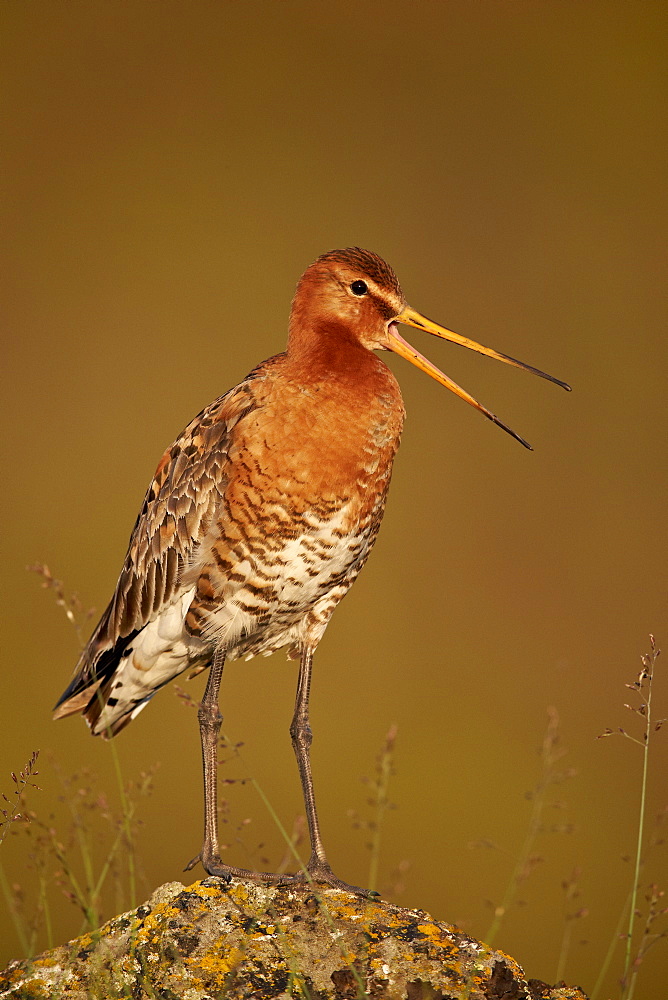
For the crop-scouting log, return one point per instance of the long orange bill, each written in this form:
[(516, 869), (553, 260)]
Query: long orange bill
[(413, 318)]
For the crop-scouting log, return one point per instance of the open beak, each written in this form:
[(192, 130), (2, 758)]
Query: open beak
[(397, 344)]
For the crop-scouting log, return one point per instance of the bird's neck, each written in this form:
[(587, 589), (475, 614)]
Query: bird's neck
[(327, 342), (331, 353)]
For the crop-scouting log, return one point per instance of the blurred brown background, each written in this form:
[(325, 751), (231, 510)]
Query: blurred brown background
[(170, 169)]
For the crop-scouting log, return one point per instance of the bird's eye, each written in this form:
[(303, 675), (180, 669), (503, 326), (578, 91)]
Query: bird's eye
[(359, 288)]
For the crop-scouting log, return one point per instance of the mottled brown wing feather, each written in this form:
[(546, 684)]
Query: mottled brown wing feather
[(177, 511)]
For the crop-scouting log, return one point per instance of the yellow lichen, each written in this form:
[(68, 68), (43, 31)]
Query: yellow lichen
[(431, 931), (219, 966), (511, 963), (263, 932), (204, 891)]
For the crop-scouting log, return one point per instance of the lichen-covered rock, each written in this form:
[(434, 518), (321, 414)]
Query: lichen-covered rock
[(247, 941)]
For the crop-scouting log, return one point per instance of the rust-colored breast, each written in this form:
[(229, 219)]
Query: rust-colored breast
[(309, 467)]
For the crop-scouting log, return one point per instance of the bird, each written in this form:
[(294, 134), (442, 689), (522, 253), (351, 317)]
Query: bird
[(258, 520)]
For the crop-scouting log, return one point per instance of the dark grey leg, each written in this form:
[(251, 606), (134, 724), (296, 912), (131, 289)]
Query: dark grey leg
[(210, 721), (300, 730)]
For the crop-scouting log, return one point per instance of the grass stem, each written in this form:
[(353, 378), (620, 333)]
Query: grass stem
[(646, 673)]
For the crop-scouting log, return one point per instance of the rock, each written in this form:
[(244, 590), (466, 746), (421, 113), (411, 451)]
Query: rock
[(242, 940)]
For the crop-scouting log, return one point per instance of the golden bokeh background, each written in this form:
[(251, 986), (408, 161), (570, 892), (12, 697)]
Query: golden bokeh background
[(170, 169)]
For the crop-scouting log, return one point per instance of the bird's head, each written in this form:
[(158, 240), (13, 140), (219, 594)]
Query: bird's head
[(354, 295)]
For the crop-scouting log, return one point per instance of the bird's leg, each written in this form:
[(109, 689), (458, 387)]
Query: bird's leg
[(318, 867), (302, 737), (210, 720)]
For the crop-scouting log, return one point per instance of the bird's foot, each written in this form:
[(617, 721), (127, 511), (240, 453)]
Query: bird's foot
[(213, 865), (316, 873), (319, 873)]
